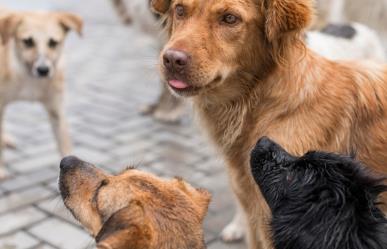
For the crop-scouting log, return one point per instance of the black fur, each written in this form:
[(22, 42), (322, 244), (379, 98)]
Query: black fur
[(340, 30), (319, 200)]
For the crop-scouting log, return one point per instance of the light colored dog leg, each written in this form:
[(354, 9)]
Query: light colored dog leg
[(235, 230), (170, 108), (122, 11), (8, 141), (60, 128)]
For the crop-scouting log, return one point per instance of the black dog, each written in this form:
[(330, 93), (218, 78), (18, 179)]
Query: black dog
[(319, 200)]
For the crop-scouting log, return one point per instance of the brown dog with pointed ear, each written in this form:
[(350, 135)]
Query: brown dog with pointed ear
[(31, 66), (246, 67), (134, 209)]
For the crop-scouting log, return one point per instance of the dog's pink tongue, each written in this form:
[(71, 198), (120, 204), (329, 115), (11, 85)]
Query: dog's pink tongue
[(178, 84)]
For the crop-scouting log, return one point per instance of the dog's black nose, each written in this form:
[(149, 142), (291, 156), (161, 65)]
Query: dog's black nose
[(175, 59), (69, 161), (43, 71)]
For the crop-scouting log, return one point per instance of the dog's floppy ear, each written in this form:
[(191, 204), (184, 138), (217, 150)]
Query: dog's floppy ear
[(129, 228), (8, 26), (284, 16), (161, 6), (70, 21)]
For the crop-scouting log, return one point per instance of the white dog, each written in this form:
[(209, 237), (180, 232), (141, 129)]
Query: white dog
[(351, 42), (372, 13)]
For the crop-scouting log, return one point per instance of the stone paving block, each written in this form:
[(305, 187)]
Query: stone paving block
[(18, 240), (43, 246), (92, 155), (63, 236), (23, 198), (221, 245), (134, 149), (27, 180), (96, 142), (37, 162), (19, 219), (55, 207), (12, 155)]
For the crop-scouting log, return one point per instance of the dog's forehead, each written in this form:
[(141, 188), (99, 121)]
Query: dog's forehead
[(245, 6), (40, 24)]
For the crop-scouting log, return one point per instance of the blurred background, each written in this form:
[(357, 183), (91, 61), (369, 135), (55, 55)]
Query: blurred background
[(110, 72)]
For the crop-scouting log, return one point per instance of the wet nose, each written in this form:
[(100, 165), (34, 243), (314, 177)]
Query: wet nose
[(69, 162), (43, 71), (175, 59)]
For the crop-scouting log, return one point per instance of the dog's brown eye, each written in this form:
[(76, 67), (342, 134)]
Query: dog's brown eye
[(52, 43), (28, 42), (230, 19), (180, 11)]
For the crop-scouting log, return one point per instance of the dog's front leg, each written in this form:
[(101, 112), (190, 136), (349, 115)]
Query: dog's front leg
[(253, 206), (235, 230), (59, 125)]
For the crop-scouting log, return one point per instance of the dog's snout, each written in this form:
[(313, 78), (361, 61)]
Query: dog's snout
[(43, 71), (175, 59), (69, 162)]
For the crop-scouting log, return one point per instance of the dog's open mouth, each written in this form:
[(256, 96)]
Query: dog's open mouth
[(183, 88), (186, 89)]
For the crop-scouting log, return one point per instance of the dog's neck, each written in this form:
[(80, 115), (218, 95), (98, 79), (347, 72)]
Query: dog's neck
[(246, 95)]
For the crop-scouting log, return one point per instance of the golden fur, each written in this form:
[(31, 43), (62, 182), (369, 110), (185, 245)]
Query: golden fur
[(256, 78), (134, 209)]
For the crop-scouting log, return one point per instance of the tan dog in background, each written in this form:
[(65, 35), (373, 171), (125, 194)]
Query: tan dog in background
[(246, 67), (31, 65), (134, 209), (167, 108)]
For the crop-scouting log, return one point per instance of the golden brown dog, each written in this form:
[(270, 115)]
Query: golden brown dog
[(249, 74), (134, 209), (31, 66)]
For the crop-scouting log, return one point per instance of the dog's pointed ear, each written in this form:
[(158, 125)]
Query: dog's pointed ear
[(70, 21), (8, 26), (127, 228), (285, 16), (204, 200), (161, 6), (200, 196)]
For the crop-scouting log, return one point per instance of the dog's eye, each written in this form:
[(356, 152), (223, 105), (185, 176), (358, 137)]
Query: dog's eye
[(53, 43), (180, 11), (28, 42), (230, 19)]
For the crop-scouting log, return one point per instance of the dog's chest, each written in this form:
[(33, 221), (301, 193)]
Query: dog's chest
[(27, 89)]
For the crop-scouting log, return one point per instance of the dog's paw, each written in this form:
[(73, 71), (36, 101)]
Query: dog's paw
[(4, 174), (9, 141), (233, 232), (147, 109), (170, 116), (127, 20)]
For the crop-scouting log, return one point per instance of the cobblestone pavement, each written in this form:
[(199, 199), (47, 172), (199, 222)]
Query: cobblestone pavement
[(111, 71)]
